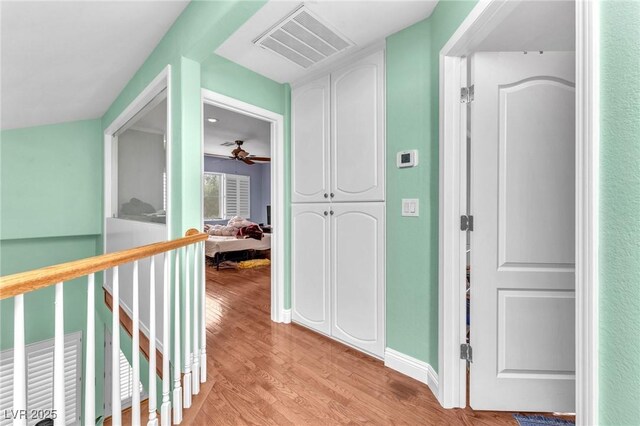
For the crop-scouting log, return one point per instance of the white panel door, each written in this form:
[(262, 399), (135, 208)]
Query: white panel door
[(522, 246), (357, 276), (310, 142), (310, 298), (357, 136)]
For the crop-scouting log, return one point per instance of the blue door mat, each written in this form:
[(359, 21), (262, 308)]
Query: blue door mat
[(524, 420)]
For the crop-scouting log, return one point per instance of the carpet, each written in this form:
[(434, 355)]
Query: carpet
[(524, 420), (254, 263)]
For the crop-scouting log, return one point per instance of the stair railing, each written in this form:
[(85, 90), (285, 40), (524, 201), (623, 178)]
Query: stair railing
[(187, 376)]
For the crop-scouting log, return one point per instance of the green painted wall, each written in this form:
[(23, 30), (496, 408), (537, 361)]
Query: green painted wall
[(228, 78), (412, 123), (51, 196), (619, 207), (39, 166)]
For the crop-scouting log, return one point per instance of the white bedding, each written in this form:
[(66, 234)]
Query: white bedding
[(216, 244)]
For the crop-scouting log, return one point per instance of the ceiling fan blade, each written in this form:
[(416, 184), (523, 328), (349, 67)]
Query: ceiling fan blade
[(246, 160), (260, 158)]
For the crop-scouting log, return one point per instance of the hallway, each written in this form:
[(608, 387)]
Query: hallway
[(266, 373)]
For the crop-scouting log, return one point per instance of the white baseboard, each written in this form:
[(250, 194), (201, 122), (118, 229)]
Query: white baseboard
[(286, 316), (414, 368)]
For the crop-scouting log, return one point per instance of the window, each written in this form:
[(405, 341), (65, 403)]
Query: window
[(237, 196), (140, 165), (226, 196), (213, 194)]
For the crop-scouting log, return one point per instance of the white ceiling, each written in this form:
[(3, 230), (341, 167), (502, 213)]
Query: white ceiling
[(534, 26), (232, 126), (363, 22), (68, 60)]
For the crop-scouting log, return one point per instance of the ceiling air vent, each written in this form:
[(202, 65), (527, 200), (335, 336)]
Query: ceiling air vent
[(303, 39)]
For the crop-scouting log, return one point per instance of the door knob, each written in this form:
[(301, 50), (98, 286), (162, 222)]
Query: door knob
[(326, 195), (331, 212), (332, 194), (326, 213)]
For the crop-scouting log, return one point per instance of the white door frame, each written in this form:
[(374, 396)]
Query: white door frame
[(278, 311), (452, 243)]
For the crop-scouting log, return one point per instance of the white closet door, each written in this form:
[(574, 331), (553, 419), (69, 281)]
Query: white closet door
[(523, 243), (310, 266), (357, 278), (357, 137), (310, 142)]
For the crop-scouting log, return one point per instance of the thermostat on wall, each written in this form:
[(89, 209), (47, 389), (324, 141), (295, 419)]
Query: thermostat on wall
[(408, 158)]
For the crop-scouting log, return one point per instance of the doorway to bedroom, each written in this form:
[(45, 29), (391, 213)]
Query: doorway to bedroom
[(240, 209)]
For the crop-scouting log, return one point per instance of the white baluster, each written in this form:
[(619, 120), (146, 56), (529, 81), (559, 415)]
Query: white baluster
[(58, 358), (186, 381), (19, 363), (165, 408), (90, 370), (116, 410), (177, 390), (203, 316), (195, 370), (153, 420), (135, 349)]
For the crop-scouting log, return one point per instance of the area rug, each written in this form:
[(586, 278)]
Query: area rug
[(524, 420), (254, 263)]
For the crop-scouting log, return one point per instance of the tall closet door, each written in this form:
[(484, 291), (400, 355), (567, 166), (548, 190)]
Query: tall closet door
[(357, 137), (357, 279), (310, 142), (310, 266)]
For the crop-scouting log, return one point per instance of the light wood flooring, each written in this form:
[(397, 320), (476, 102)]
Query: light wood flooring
[(262, 373)]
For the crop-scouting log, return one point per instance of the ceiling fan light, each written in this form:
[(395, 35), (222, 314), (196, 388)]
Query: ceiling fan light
[(212, 120)]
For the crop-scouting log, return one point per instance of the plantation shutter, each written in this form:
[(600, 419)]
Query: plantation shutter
[(40, 378), (237, 196)]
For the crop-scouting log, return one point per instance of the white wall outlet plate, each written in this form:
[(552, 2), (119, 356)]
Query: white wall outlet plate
[(407, 158), (410, 207)]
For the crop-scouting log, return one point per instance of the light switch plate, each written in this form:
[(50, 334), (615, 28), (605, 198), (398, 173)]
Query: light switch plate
[(410, 207)]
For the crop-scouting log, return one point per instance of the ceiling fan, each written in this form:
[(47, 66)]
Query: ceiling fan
[(240, 154)]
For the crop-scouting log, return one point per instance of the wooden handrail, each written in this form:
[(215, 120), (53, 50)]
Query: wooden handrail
[(25, 282)]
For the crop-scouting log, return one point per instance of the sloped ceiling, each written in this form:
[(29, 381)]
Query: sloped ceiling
[(68, 60)]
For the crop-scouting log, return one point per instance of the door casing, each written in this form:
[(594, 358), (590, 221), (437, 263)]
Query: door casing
[(452, 201), (278, 311)]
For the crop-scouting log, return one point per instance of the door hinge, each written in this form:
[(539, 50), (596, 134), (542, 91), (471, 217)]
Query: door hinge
[(467, 94), (466, 223), (466, 353)]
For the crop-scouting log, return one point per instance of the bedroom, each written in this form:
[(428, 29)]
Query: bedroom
[(236, 184)]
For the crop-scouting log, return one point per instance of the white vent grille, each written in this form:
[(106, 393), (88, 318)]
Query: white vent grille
[(39, 358), (303, 39)]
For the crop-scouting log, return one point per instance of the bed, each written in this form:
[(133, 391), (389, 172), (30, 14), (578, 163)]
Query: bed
[(215, 246)]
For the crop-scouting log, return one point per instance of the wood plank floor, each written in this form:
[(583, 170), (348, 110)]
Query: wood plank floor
[(262, 373)]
